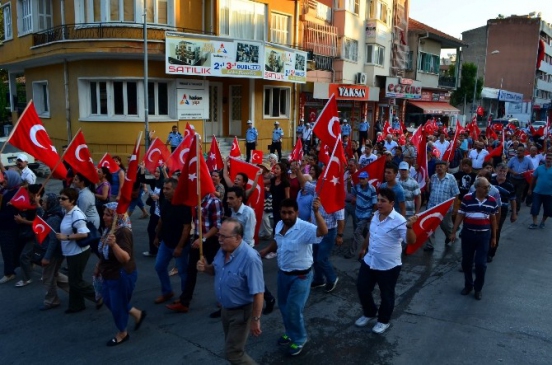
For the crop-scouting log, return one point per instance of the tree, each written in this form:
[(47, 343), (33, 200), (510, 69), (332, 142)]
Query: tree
[(467, 81)]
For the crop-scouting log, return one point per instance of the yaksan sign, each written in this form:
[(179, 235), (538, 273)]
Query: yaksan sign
[(348, 92)]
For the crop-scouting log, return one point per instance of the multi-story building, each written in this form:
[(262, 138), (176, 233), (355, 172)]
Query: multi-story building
[(213, 63), (514, 56)]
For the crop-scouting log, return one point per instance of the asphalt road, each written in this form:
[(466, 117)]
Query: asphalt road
[(432, 322)]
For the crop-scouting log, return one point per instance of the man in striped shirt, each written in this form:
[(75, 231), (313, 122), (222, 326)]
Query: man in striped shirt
[(478, 213)]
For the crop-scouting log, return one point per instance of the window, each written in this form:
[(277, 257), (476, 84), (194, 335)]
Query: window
[(6, 10), (243, 19), (350, 5), (34, 16), (409, 60), (122, 100), (280, 29), (350, 49), (429, 63), (157, 11), (378, 10), (276, 102), (375, 54), (41, 98), (104, 11)]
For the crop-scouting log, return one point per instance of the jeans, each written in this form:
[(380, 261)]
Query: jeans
[(293, 292), (117, 294), (350, 210), (321, 254), (386, 280), (164, 257), (475, 245), (136, 202), (152, 224), (235, 324), (8, 244), (79, 290)]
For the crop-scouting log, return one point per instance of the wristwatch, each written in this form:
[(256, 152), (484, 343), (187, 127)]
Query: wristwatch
[(256, 318), (203, 239)]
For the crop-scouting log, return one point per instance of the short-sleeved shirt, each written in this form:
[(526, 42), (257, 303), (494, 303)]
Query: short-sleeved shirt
[(363, 126), (240, 278), (75, 218), (544, 180), (365, 160), (390, 146), (251, 135), (175, 139), (411, 191), (477, 158), (28, 175), (518, 166), (506, 190), (173, 218), (477, 214), (277, 134), (246, 216), (384, 249), (398, 190), (442, 189), (345, 129), (110, 267), (295, 247), (464, 181), (365, 200)]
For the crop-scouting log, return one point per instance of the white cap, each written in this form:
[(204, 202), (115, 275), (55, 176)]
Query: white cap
[(23, 157), (249, 122), (404, 165), (276, 122)]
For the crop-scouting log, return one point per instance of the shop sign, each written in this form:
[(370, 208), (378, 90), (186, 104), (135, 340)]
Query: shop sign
[(349, 92), (489, 93), (510, 96), (284, 64), (395, 89), (193, 99)]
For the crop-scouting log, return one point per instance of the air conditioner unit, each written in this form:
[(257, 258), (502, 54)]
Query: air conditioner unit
[(361, 78)]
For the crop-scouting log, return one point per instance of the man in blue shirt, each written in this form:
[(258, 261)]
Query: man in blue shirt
[(277, 134), (365, 199), (363, 131), (390, 177), (345, 129), (517, 166), (251, 136), (541, 189), (300, 129), (239, 286), (293, 238), (175, 138)]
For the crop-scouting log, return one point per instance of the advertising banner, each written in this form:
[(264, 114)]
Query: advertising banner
[(285, 64), (193, 99), (405, 89)]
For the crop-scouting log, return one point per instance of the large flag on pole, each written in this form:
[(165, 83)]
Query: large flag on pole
[(214, 159), (297, 153), (109, 162), (449, 153), (331, 188), (235, 151), (427, 223), (327, 127), (130, 178), (78, 157), (179, 157), (157, 155), (29, 135), (375, 170)]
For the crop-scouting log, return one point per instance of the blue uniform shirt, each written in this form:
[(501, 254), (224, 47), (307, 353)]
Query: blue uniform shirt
[(174, 139), (251, 135), (237, 280), (277, 134), (363, 126), (345, 129), (300, 129)]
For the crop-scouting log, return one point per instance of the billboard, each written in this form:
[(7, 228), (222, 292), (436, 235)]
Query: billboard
[(402, 88), (284, 64), (192, 99)]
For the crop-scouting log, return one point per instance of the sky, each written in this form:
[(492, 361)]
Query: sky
[(456, 16)]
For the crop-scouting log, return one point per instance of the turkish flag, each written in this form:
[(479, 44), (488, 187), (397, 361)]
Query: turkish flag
[(427, 223), (375, 171), (78, 156), (522, 136), (324, 153), (297, 153), (41, 229), (331, 188), (489, 132), (349, 153), (194, 178), (327, 127), (256, 199), (497, 127), (421, 161), (214, 160), (474, 130), (157, 155), (480, 111), (511, 127), (130, 178), (430, 126), (449, 153), (417, 136), (528, 175), (109, 162), (387, 128), (256, 157), (235, 151), (189, 130), (179, 156), (29, 135), (21, 200), (536, 132)]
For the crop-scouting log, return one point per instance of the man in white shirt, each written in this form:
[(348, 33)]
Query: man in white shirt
[(243, 213), (477, 155), (390, 145), (442, 144), (367, 158), (535, 157), (27, 175)]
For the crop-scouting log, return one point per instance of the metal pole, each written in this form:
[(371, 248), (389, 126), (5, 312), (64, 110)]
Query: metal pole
[(146, 100), (475, 87)]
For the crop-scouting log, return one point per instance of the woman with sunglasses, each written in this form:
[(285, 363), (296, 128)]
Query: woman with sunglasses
[(73, 228)]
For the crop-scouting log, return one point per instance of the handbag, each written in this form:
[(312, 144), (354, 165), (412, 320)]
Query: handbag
[(93, 238)]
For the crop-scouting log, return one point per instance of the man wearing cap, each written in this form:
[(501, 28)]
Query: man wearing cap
[(27, 175), (345, 129), (251, 135), (307, 137), (365, 199), (442, 186), (277, 134), (300, 129), (412, 192)]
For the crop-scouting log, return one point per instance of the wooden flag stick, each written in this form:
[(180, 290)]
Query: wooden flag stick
[(198, 190)]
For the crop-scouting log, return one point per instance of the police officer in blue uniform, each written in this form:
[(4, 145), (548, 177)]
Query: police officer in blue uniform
[(345, 129), (277, 134), (251, 136), (363, 131)]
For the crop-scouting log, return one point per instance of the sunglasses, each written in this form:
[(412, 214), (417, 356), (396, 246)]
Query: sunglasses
[(63, 198)]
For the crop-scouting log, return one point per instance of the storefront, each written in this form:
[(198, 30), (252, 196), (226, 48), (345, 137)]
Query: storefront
[(395, 95), (433, 104)]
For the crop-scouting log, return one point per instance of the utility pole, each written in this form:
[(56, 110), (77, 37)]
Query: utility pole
[(146, 100)]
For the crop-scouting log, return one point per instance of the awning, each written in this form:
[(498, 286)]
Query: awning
[(431, 107)]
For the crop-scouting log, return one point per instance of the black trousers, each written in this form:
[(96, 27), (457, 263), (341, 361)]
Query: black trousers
[(152, 224), (249, 146), (503, 215), (363, 136), (276, 147), (210, 249), (386, 280), (79, 289), (8, 244)]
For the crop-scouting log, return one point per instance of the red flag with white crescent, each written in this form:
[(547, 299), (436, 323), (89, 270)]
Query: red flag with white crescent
[(297, 153), (331, 187), (41, 229), (21, 200), (327, 127), (79, 158), (449, 153), (109, 162), (180, 154), (490, 133), (256, 157), (427, 223), (29, 135), (235, 151), (375, 170), (387, 128), (417, 137), (157, 155), (189, 130), (130, 178), (324, 153), (421, 161), (214, 158)]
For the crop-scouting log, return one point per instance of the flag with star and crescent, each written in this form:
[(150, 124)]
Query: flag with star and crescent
[(157, 155), (427, 223), (214, 158), (109, 162), (130, 178), (77, 155), (21, 200), (41, 229), (327, 127), (331, 190)]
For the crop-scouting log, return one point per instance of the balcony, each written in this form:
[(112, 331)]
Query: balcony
[(82, 31), (321, 39), (448, 82)]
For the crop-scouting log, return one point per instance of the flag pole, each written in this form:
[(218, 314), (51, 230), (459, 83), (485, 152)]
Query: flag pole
[(199, 197), (15, 126)]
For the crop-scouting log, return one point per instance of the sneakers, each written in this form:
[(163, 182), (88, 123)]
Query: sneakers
[(148, 254), (271, 255), (284, 340), (317, 285), (379, 328), (22, 283), (541, 226), (331, 286), (533, 226), (363, 321), (295, 349), (173, 271), (7, 278)]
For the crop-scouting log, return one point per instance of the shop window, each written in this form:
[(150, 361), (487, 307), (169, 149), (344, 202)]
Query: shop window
[(6, 12), (243, 19), (280, 29), (41, 98), (276, 102), (375, 54), (350, 49), (429, 63)]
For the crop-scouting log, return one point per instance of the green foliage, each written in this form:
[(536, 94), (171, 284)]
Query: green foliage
[(469, 72)]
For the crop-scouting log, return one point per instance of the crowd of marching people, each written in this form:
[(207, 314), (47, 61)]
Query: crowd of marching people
[(385, 186)]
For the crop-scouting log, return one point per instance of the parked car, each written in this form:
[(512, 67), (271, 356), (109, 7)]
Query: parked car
[(539, 124), (9, 155)]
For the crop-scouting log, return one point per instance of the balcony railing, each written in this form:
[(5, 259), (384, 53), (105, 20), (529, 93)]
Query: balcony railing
[(132, 31), (321, 39), (447, 81)]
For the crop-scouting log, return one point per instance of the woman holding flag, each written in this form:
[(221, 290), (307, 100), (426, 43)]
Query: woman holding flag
[(8, 227)]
